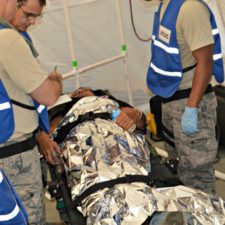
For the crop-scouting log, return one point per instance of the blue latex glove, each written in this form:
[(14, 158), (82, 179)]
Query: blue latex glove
[(115, 113), (189, 120)]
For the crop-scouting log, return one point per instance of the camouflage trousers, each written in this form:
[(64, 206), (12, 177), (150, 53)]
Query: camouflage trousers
[(196, 152), (24, 172)]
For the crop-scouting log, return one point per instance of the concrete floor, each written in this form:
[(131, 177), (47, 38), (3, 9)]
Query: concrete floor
[(52, 216)]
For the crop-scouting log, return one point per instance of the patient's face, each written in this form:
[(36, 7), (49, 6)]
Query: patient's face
[(82, 92)]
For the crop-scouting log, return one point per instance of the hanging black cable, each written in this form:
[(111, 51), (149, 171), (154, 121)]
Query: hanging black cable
[(132, 21)]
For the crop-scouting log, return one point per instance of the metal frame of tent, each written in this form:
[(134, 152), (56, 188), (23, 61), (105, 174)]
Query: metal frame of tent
[(121, 56)]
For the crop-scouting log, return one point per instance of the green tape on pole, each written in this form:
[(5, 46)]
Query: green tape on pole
[(74, 63), (124, 48)]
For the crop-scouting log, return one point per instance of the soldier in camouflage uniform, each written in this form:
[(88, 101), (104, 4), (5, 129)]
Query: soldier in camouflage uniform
[(196, 153), (23, 80), (186, 52)]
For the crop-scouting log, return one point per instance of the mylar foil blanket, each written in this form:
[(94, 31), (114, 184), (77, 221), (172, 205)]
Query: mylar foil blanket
[(88, 104), (98, 151)]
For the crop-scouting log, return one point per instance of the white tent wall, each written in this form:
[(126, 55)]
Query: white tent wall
[(96, 37)]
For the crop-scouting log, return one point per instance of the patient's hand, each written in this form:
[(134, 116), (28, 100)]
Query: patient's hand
[(48, 147), (124, 120), (130, 116)]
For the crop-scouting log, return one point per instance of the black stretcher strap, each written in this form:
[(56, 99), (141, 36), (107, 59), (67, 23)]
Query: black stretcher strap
[(17, 148), (63, 131), (168, 132), (111, 183), (168, 139), (168, 136)]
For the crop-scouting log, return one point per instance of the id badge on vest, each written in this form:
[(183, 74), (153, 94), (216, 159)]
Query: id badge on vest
[(164, 34)]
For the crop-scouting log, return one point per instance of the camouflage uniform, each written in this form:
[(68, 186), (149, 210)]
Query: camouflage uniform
[(24, 172), (196, 152)]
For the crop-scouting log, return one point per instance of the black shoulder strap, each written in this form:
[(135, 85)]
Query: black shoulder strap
[(22, 105), (63, 131)]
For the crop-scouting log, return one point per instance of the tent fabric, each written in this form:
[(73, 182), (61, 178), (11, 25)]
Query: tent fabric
[(96, 37)]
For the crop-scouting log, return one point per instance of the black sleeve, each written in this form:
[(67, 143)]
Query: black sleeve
[(121, 103), (100, 92)]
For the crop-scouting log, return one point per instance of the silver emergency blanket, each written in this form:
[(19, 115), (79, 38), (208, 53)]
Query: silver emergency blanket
[(99, 150)]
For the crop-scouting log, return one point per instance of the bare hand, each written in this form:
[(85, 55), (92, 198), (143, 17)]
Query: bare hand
[(48, 148), (55, 75), (129, 116), (124, 121)]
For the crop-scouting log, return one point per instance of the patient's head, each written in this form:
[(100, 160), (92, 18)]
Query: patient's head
[(82, 92), (86, 91)]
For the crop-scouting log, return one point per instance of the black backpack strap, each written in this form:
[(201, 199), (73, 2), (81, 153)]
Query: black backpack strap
[(128, 179), (63, 131)]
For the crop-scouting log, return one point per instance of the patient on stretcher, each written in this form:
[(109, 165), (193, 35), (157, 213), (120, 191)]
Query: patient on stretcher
[(128, 117), (108, 169)]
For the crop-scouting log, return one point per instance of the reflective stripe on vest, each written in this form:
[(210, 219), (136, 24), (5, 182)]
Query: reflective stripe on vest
[(5, 105), (11, 208), (43, 116), (165, 73), (1, 177), (11, 215), (164, 47), (6, 115), (165, 69), (40, 108)]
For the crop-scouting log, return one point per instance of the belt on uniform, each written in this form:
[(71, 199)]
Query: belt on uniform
[(184, 94), (17, 148)]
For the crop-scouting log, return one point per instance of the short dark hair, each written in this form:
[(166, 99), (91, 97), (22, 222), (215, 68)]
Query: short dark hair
[(21, 2)]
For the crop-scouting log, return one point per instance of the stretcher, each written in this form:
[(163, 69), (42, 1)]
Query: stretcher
[(93, 195)]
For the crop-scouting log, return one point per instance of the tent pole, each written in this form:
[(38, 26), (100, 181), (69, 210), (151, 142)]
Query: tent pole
[(72, 52), (92, 66), (70, 41), (123, 47)]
